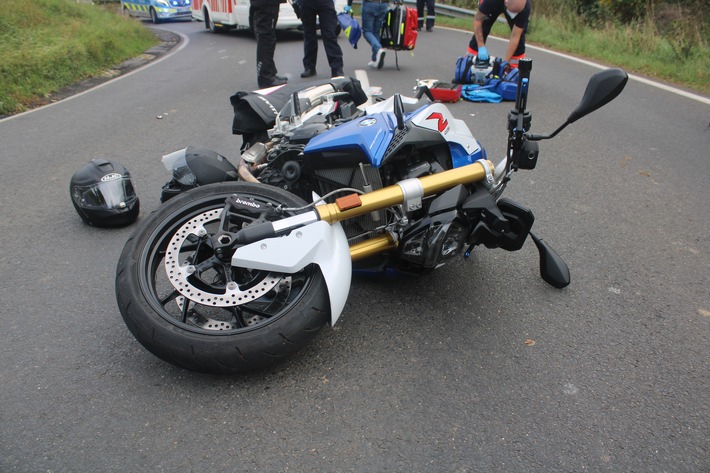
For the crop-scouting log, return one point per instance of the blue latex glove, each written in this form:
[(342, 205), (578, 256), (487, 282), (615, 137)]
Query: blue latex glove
[(483, 53), (348, 9)]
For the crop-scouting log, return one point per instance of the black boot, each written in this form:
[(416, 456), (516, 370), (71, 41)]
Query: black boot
[(272, 82), (308, 73)]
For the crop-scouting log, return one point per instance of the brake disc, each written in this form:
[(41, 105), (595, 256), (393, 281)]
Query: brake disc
[(210, 322), (179, 274)]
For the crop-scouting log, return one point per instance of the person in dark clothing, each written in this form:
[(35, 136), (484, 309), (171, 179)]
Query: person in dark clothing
[(265, 13), (430, 14), (517, 13), (325, 11)]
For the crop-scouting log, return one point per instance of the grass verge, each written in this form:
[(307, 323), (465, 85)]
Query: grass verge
[(46, 45)]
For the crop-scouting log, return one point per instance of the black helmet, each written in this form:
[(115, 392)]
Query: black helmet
[(103, 194), (192, 167)]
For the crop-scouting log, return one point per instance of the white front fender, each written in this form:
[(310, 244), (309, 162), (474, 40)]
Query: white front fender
[(320, 243)]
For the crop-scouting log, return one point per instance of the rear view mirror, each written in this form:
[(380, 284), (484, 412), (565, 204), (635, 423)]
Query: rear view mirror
[(603, 87)]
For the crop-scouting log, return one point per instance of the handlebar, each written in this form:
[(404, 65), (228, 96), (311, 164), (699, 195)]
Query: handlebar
[(519, 119)]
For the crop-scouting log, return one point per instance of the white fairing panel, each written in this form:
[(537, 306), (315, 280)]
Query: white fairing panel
[(320, 243), (388, 105), (437, 117)]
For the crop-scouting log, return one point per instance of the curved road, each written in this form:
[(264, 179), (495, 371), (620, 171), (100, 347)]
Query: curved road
[(478, 367)]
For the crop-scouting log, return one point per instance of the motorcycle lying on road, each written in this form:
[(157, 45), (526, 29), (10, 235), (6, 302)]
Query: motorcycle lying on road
[(236, 276)]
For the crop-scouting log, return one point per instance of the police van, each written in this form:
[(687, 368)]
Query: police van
[(231, 14), (157, 10)]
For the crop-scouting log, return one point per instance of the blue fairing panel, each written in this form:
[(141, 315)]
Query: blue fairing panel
[(459, 157), (371, 134)]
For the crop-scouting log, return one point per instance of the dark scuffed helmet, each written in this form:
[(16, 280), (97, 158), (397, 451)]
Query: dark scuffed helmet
[(103, 195), (193, 167)]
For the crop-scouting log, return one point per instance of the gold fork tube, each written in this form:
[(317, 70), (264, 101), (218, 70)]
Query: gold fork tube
[(373, 246), (393, 195)]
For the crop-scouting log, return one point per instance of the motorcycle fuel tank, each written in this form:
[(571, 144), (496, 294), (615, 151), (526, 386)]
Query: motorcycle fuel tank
[(370, 134)]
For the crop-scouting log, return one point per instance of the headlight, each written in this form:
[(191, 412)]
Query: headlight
[(454, 240)]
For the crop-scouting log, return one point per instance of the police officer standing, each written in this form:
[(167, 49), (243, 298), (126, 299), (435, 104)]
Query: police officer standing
[(265, 13), (325, 11)]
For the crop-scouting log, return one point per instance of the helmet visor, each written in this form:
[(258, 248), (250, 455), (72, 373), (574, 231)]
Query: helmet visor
[(114, 194), (176, 165)]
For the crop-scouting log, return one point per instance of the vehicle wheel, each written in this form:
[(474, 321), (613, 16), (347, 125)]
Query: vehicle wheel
[(189, 309), (209, 24), (154, 16), (125, 12)]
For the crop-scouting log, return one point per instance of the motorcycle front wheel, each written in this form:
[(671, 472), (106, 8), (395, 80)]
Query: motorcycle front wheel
[(192, 310)]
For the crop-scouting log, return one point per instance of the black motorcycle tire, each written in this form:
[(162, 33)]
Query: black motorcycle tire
[(146, 311)]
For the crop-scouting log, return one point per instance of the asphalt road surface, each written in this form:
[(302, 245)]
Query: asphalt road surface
[(479, 366)]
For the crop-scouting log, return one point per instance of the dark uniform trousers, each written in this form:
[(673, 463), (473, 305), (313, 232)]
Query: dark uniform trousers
[(265, 17), (430, 13), (325, 11)]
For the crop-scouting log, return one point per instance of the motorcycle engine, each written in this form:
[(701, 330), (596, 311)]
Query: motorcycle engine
[(365, 178)]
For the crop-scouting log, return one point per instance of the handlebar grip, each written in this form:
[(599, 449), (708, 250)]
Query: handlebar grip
[(521, 99)]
